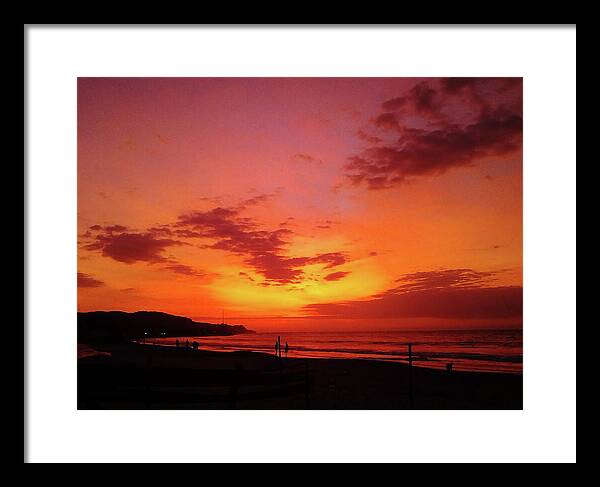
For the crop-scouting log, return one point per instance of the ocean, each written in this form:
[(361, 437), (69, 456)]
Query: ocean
[(474, 350)]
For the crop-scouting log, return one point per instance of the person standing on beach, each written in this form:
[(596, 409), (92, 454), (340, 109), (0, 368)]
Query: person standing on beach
[(276, 348), (287, 347)]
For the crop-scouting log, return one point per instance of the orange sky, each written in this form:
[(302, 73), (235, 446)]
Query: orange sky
[(303, 203)]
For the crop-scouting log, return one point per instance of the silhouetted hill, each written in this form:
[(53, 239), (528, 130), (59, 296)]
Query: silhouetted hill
[(117, 326)]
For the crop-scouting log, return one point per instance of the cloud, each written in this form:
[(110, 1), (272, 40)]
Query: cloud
[(259, 199), (387, 121), (332, 259), (148, 247), (161, 230), (307, 158), (247, 276), (264, 249), (232, 232), (452, 303), (256, 200), (336, 276), (445, 278), (132, 247), (183, 269), (220, 228), (85, 280), (326, 224), (109, 229), (213, 200), (289, 222), (439, 126), (115, 228), (451, 294), (277, 268), (288, 270), (422, 99), (371, 139)]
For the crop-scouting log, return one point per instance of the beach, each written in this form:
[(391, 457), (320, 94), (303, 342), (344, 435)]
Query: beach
[(137, 376)]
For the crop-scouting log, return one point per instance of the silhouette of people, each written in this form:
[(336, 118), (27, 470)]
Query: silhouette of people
[(177, 343), (187, 344), (195, 345), (287, 348), (276, 348), (279, 345)]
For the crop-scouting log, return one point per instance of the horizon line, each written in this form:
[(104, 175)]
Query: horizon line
[(511, 327)]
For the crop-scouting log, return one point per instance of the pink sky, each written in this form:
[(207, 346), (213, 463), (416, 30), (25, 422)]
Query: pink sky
[(303, 203)]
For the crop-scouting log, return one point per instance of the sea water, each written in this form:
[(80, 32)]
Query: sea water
[(475, 350)]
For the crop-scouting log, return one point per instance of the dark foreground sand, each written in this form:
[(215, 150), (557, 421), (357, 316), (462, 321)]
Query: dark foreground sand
[(152, 377)]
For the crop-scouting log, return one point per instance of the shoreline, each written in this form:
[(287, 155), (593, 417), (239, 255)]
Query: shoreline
[(419, 362)]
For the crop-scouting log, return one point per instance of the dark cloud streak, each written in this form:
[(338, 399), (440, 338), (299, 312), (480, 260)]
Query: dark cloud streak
[(132, 247), (450, 294), (85, 280), (336, 276)]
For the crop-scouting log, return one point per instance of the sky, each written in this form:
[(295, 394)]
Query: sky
[(303, 203)]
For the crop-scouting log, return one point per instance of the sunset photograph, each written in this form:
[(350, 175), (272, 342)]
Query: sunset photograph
[(328, 243)]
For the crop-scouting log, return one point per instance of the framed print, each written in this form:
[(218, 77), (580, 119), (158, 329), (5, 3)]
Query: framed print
[(300, 243)]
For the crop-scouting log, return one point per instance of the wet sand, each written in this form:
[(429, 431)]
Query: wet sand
[(153, 377)]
